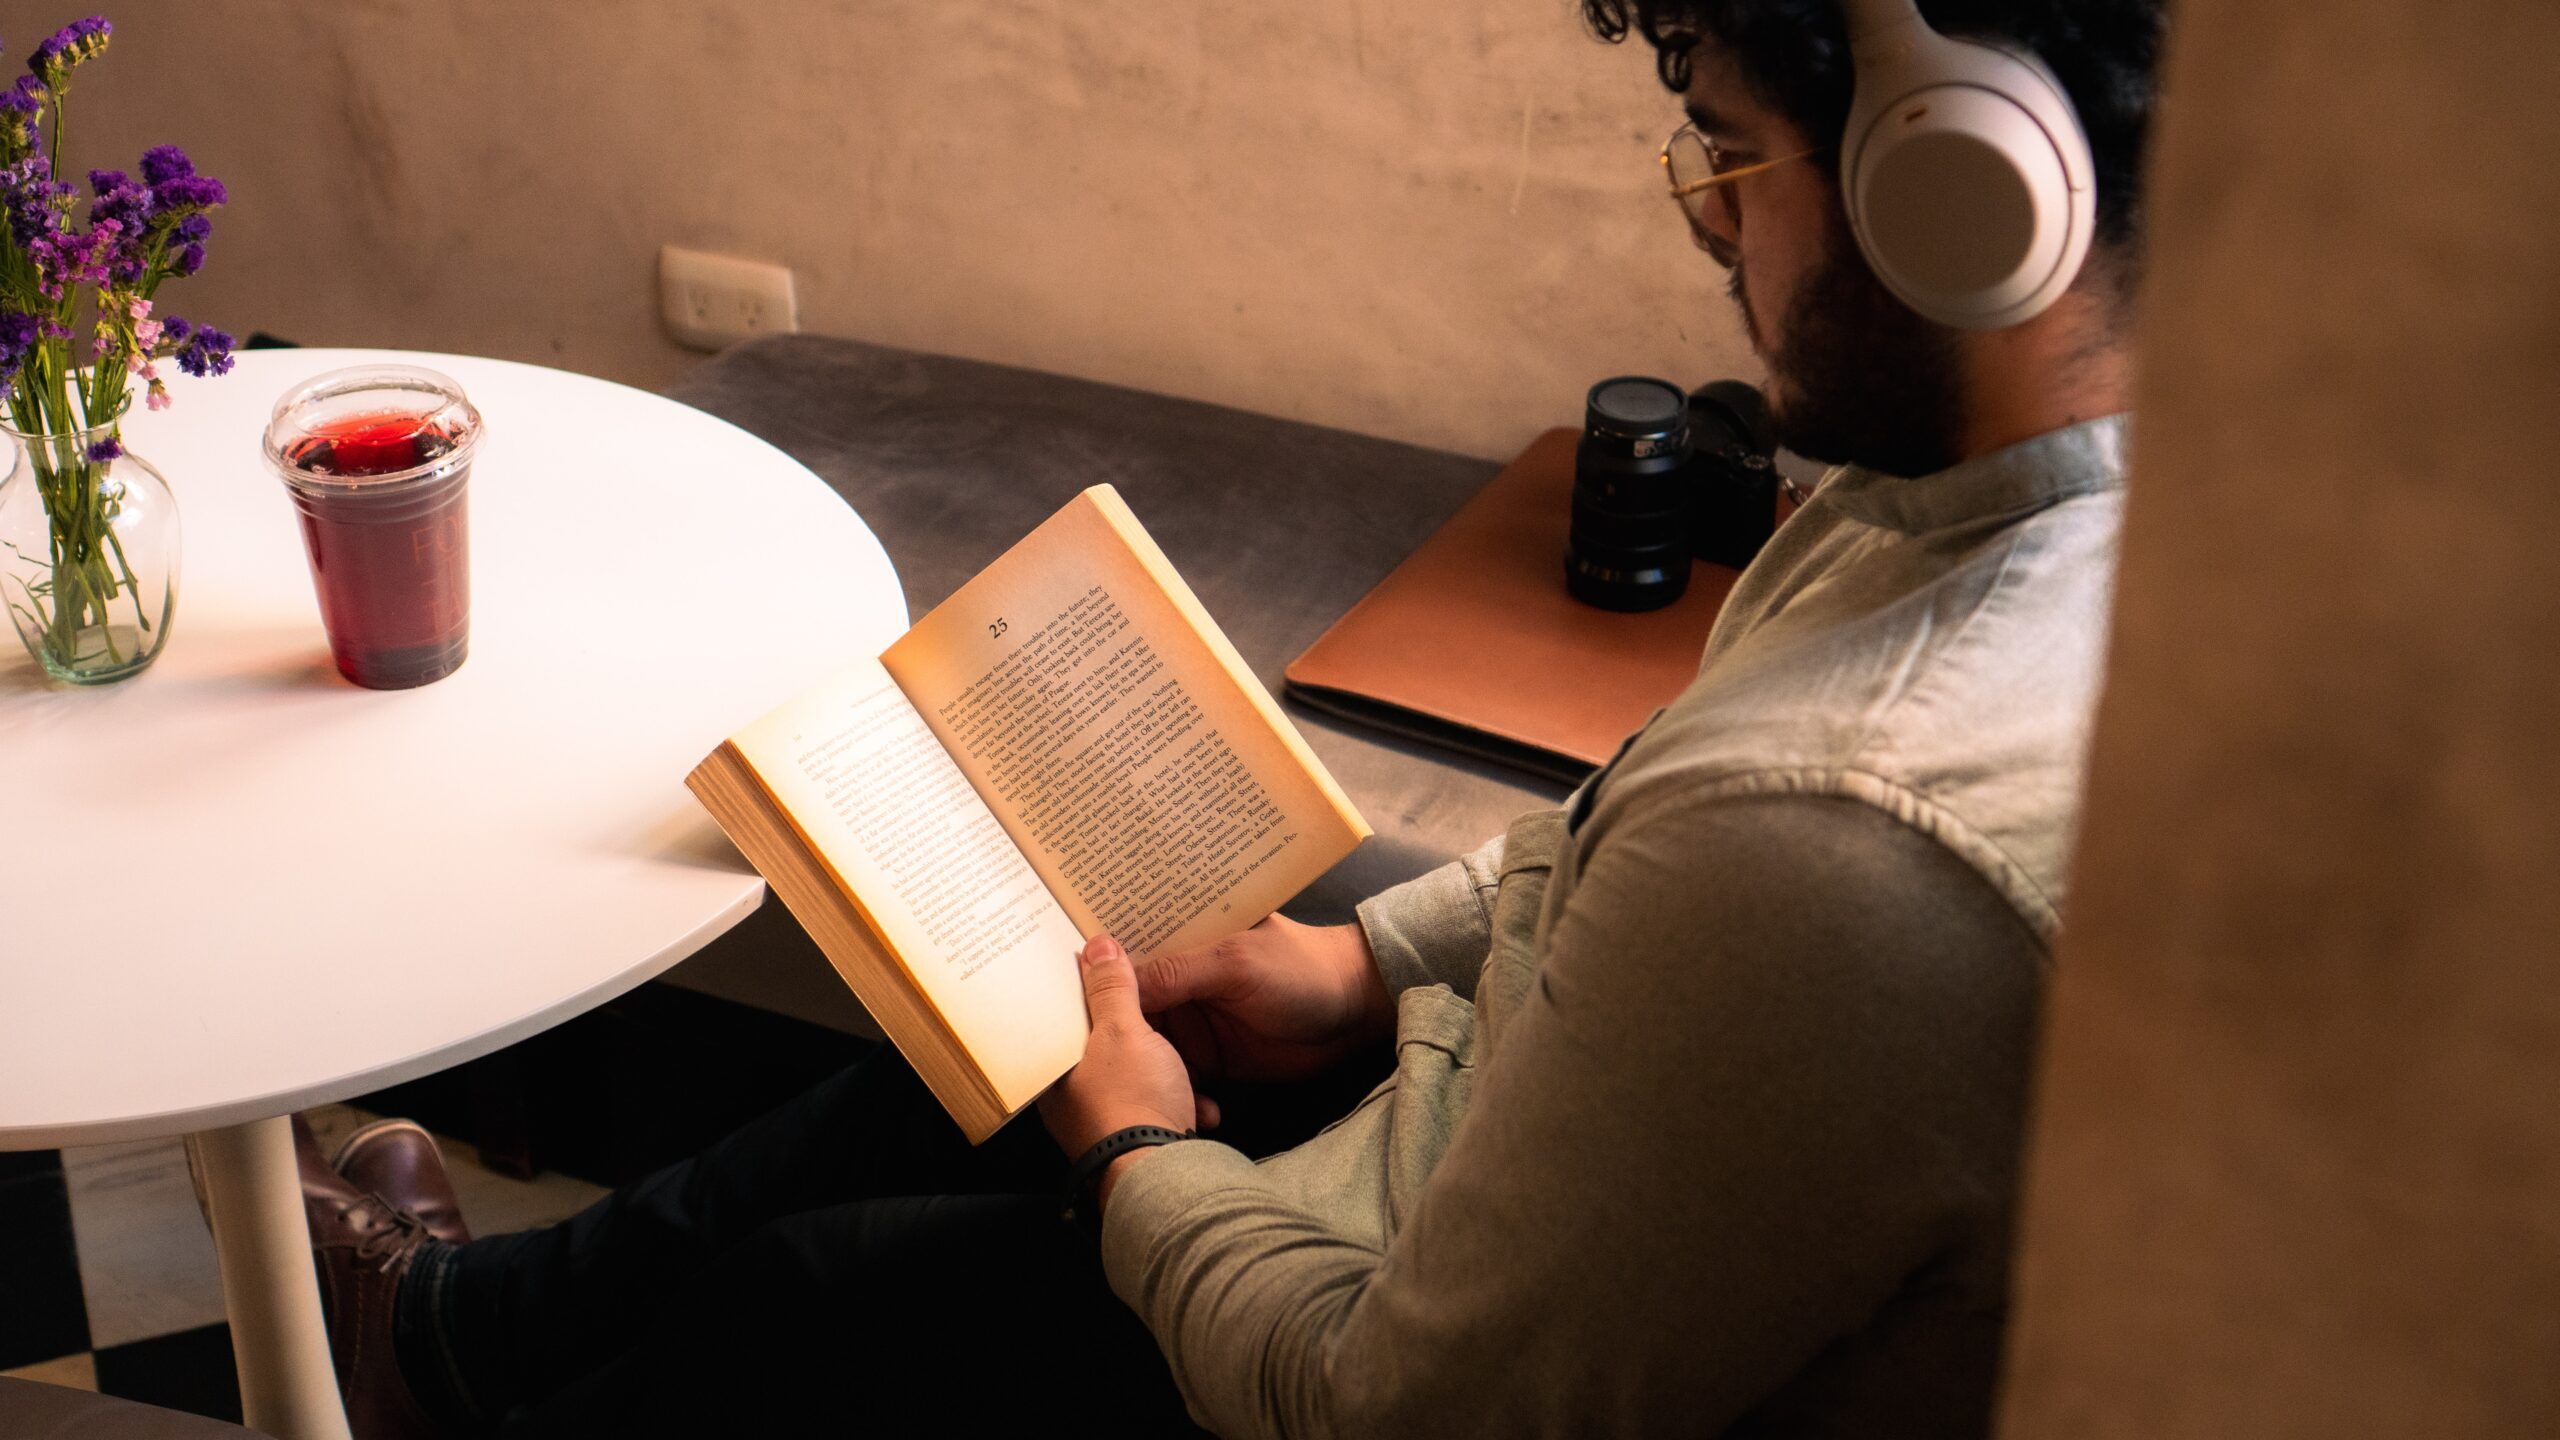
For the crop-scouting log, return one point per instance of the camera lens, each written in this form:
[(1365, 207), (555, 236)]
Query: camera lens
[(1628, 547)]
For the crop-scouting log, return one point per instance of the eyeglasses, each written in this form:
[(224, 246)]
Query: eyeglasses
[(1702, 179)]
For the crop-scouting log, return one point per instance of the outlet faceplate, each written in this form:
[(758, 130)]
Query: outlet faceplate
[(713, 301)]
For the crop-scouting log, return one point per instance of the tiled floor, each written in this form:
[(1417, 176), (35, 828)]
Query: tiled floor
[(108, 1281), (107, 1277)]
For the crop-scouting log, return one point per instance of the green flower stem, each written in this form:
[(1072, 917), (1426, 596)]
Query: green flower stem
[(132, 586), (82, 542)]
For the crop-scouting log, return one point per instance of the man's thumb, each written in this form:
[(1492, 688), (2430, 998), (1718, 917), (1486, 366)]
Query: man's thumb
[(1110, 985)]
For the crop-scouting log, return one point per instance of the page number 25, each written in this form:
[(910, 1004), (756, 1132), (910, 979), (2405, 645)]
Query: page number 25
[(996, 630)]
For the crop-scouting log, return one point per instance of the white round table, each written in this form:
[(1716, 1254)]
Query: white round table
[(237, 886)]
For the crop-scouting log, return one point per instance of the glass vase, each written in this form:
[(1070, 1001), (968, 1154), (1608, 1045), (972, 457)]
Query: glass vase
[(88, 553)]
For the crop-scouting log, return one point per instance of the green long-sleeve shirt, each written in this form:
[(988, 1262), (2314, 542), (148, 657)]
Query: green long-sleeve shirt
[(1709, 1087)]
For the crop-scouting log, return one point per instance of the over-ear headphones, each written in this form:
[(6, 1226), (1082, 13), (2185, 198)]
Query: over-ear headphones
[(1966, 174)]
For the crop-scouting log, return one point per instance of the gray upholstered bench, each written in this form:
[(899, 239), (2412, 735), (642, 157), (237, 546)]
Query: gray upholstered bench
[(1279, 526)]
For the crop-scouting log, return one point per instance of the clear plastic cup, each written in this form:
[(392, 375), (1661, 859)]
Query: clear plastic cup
[(378, 460)]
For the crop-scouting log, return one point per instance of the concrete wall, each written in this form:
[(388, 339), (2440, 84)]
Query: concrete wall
[(2296, 1167), (1427, 219)]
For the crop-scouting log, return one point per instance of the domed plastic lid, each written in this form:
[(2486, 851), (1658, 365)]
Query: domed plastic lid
[(372, 426)]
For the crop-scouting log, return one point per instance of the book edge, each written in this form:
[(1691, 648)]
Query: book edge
[(985, 1111), (1132, 534)]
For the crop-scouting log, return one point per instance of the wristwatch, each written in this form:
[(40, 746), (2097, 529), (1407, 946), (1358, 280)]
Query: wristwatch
[(1084, 1177)]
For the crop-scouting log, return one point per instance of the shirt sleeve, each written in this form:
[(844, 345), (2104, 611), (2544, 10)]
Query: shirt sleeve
[(1771, 1067), (1435, 928)]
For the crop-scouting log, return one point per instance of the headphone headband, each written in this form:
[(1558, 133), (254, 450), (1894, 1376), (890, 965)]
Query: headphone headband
[(1869, 19)]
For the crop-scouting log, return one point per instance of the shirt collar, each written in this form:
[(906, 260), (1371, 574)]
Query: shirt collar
[(2053, 467)]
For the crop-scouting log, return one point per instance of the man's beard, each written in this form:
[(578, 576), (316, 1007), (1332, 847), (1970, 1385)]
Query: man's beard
[(1856, 376)]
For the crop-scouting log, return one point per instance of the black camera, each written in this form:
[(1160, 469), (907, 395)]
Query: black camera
[(1659, 477), (1733, 455)]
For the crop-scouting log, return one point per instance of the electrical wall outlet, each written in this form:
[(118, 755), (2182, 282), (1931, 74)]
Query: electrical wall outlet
[(713, 301)]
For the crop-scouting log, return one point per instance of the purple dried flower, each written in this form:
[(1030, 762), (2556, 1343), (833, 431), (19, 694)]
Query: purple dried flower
[(181, 191), (174, 330), (187, 237), (106, 450), (36, 202), (176, 201), (73, 43), (164, 163), (205, 352), (120, 200), (18, 335), (67, 258), (21, 106)]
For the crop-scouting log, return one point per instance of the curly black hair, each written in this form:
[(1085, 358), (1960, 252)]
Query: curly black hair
[(1796, 53)]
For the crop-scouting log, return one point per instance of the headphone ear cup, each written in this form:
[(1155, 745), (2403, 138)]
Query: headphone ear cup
[(1969, 189)]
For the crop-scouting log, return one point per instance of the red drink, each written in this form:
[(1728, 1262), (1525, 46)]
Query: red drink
[(377, 462)]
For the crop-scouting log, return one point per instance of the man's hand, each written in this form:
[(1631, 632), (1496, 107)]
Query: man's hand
[(1281, 1001), (1130, 1075)]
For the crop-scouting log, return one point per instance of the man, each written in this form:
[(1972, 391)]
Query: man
[(1707, 1090)]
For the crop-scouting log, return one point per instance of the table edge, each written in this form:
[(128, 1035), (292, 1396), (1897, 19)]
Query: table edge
[(344, 1087)]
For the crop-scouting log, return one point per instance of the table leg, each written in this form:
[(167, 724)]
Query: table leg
[(253, 1200)]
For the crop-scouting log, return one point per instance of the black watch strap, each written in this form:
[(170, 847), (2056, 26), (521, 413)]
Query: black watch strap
[(1089, 1165)]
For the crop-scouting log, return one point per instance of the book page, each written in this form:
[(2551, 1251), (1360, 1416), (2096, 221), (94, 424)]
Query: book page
[(908, 838), (1145, 773)]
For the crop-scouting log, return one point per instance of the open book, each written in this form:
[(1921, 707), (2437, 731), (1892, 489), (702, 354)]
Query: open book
[(1066, 746)]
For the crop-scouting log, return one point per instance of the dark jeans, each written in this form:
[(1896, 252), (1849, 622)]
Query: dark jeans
[(845, 1264)]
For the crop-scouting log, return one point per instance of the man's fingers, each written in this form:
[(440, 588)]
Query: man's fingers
[(1110, 986), (1206, 1109), (1192, 1038), (1169, 980)]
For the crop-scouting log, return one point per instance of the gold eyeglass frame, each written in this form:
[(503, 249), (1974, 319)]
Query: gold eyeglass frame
[(1717, 179)]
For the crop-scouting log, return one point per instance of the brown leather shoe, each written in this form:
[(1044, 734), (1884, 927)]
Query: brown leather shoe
[(361, 1244), (398, 1160)]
